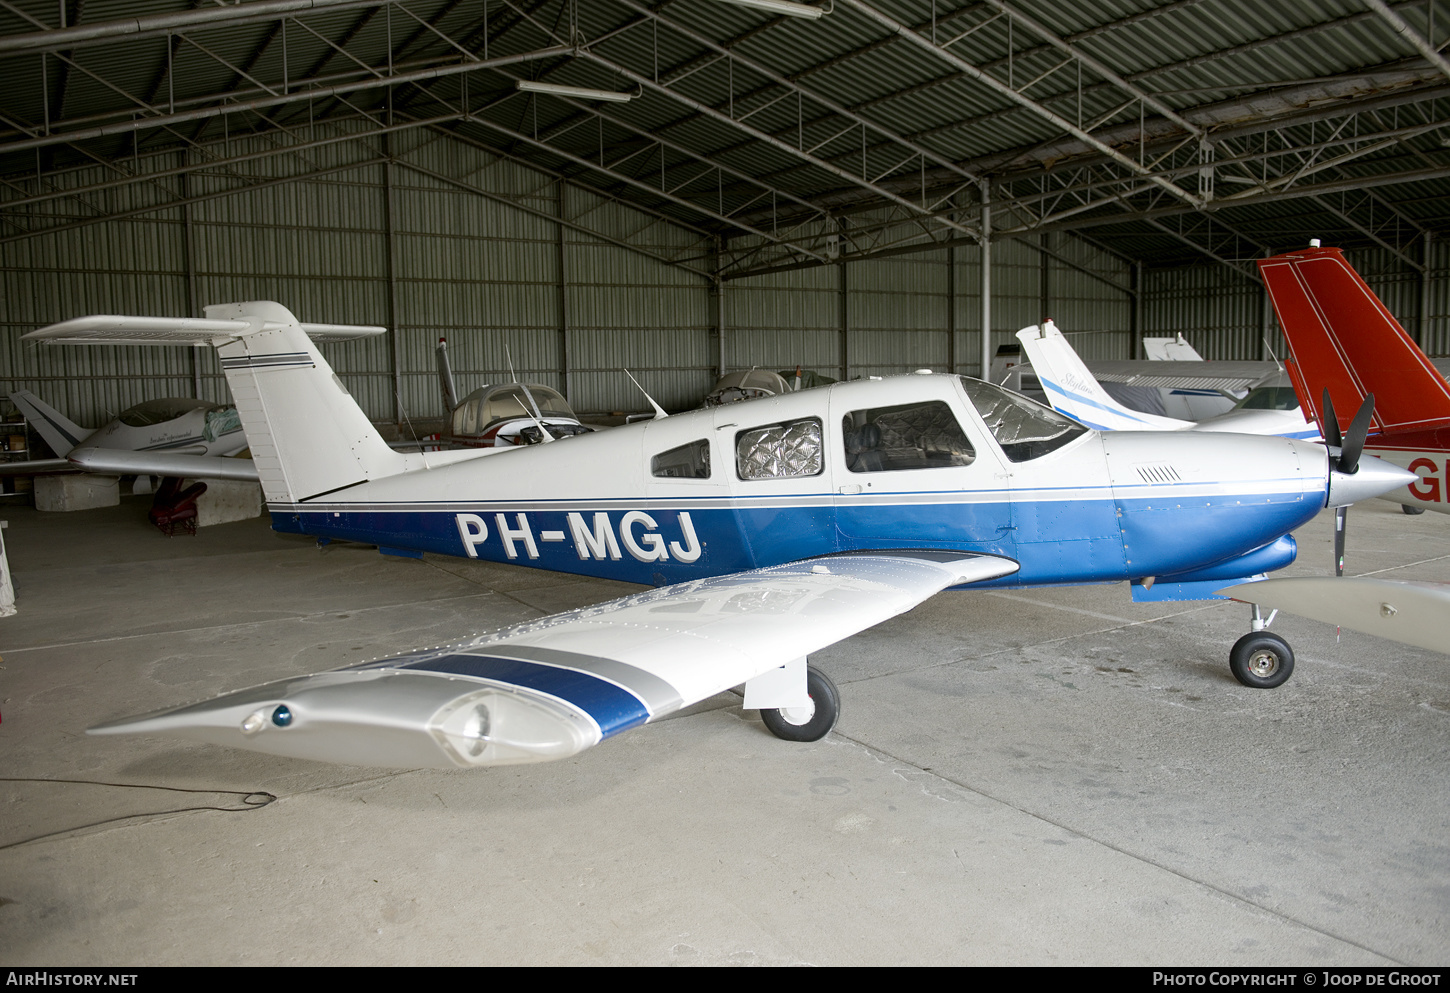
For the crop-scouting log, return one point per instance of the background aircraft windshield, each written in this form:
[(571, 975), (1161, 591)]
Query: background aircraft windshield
[(1025, 430)]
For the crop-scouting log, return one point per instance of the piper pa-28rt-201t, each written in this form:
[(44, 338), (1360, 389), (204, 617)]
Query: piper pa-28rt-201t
[(772, 529)]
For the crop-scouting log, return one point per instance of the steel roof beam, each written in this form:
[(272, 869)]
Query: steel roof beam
[(159, 25)]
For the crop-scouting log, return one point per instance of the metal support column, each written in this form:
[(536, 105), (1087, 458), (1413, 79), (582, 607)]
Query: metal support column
[(1266, 318), (188, 251), (394, 332), (842, 299), (716, 316), (561, 262), (1135, 319), (952, 310), (1427, 251), (1044, 277), (986, 355)]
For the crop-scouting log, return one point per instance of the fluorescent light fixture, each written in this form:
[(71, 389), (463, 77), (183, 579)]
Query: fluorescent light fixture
[(787, 7), (581, 92)]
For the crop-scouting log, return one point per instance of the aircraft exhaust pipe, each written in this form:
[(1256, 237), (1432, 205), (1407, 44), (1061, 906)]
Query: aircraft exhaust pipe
[(1372, 477)]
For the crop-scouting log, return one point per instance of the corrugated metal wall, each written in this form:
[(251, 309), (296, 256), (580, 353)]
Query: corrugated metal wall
[(896, 310), (500, 279), (1223, 315)]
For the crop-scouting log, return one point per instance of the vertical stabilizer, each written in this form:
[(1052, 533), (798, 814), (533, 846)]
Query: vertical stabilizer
[(1074, 391), (1344, 340), (60, 433), (307, 434)]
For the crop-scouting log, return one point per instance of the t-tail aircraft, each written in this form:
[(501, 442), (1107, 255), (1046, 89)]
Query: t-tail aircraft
[(171, 436), (772, 528), (1268, 409), (1345, 345)]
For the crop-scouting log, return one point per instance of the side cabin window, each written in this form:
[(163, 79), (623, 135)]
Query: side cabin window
[(909, 436), (1025, 429), (690, 461), (780, 451)]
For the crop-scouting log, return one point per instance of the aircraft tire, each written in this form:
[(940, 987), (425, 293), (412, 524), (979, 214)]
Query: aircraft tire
[(827, 707), (1261, 660), (1407, 509)]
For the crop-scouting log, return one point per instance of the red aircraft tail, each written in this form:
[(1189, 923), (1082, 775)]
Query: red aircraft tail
[(1343, 338)]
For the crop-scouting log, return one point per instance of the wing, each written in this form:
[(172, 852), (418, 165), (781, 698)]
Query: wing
[(1413, 613), (1226, 377), (114, 329), (550, 688), (119, 461)]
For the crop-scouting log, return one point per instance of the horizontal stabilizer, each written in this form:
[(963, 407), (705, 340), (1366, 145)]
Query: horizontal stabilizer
[(550, 688), (112, 329), (1412, 613), (121, 462)]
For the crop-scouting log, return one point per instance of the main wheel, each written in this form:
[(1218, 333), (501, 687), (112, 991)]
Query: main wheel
[(1407, 509), (1261, 660), (810, 723)]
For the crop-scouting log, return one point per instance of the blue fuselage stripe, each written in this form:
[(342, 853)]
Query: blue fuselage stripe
[(613, 708)]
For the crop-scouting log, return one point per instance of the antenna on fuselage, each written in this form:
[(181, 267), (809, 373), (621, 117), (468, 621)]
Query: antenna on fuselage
[(659, 411), (538, 417)]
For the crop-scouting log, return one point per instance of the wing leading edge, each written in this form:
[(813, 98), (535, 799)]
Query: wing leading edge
[(550, 688)]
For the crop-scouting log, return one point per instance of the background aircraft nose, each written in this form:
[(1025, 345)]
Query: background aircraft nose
[(1373, 477)]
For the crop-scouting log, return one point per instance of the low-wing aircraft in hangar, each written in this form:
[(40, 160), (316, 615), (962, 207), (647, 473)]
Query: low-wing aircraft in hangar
[(172, 436), (771, 528)]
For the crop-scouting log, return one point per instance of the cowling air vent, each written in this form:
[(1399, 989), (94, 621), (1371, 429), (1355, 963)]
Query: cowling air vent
[(1158, 472)]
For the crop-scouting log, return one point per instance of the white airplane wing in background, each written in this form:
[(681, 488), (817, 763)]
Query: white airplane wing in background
[(1072, 390), (123, 462), (116, 329), (550, 688), (1413, 613)]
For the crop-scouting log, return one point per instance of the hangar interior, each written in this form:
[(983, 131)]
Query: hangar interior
[(683, 188)]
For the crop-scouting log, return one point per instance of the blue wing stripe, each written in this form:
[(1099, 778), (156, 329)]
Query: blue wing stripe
[(613, 708)]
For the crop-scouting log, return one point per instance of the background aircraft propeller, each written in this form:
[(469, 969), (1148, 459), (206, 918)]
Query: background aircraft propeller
[(1345, 449)]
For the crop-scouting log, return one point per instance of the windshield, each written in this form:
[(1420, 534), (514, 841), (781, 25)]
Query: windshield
[(1269, 398), (160, 411), (1026, 430)]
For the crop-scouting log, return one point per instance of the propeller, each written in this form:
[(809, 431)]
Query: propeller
[(1345, 449)]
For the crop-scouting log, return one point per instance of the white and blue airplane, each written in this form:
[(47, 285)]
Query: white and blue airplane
[(1270, 408), (772, 528)]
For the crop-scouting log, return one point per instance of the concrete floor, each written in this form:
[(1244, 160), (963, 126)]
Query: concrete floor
[(1051, 776)]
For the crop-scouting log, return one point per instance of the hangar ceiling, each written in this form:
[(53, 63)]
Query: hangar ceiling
[(1166, 133)]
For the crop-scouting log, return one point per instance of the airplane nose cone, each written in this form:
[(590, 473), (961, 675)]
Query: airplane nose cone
[(1375, 477)]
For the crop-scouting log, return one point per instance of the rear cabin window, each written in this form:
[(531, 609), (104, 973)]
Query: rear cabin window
[(780, 451), (690, 461), (909, 436)]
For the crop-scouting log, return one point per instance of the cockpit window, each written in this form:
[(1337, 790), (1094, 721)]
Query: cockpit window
[(160, 411), (1269, 398), (777, 451), (1025, 430), (909, 436)]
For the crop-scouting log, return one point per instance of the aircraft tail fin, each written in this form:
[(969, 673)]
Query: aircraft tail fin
[(1343, 339), (59, 432), (307, 434), (1072, 389)]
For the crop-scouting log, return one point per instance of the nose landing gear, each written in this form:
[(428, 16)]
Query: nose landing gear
[(1260, 659)]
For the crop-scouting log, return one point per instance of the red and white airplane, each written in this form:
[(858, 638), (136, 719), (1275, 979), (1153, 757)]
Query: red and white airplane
[(1345, 345)]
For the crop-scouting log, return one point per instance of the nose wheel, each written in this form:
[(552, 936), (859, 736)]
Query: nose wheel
[(1261, 659)]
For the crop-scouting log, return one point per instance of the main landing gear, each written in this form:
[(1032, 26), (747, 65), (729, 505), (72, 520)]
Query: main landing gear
[(812, 722), (1260, 659)]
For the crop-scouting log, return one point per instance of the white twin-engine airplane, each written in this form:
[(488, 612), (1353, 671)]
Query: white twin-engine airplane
[(772, 527), (1270, 408)]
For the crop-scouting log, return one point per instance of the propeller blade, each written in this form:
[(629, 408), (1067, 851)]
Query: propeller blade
[(1341, 518), (1354, 437), (1331, 423)]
